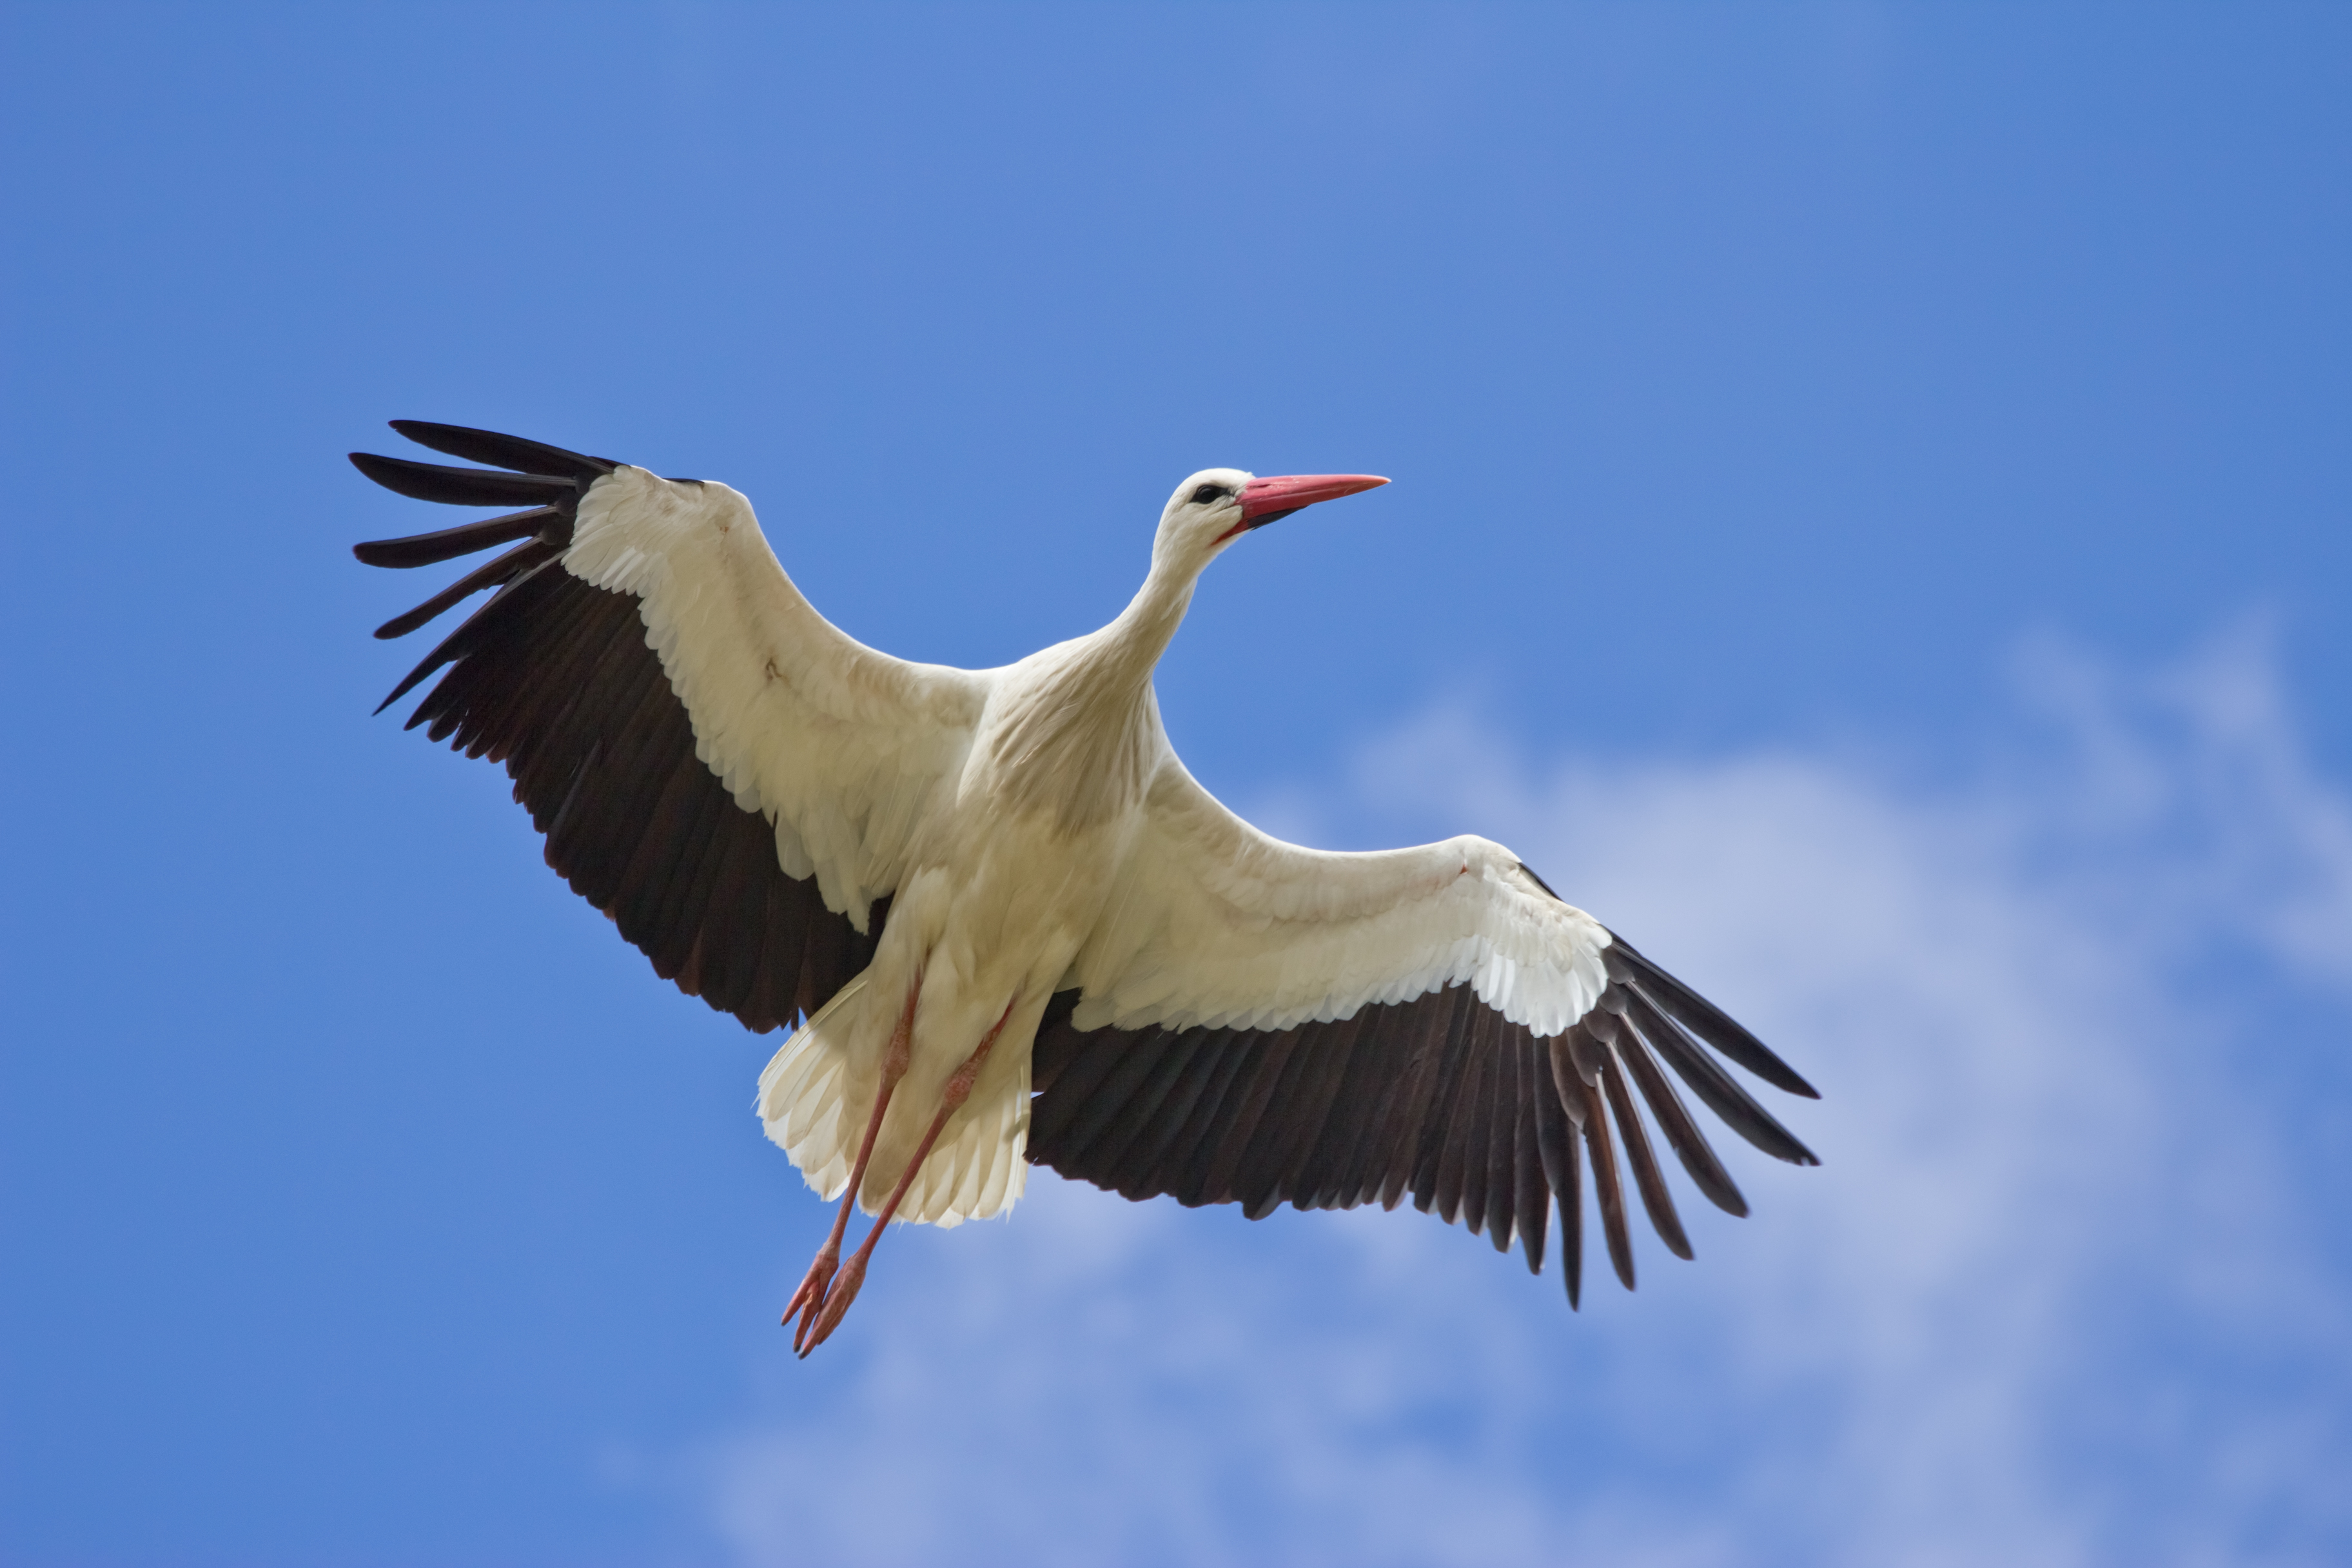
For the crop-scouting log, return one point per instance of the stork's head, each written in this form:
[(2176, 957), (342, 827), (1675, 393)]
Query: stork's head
[(1217, 506)]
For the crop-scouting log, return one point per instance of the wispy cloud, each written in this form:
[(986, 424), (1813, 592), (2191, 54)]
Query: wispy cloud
[(2045, 1303)]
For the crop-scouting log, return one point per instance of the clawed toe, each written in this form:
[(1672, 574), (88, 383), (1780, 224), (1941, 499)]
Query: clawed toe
[(809, 1298), (828, 1313)]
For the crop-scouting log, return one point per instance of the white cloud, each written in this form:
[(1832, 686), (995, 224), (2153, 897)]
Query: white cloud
[(2043, 1304)]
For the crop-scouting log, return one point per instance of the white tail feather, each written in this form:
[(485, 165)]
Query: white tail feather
[(976, 1171), (801, 1098), (815, 1097)]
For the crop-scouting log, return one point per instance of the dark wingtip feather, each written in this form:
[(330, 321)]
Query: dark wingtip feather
[(1689, 1145), (488, 575), (445, 544), (503, 451), (1651, 1182), (460, 642), (1711, 1023), (1531, 1202), (463, 487), (1607, 1185), (1572, 1260), (1707, 1080)]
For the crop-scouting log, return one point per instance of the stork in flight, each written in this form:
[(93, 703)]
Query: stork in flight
[(1011, 926)]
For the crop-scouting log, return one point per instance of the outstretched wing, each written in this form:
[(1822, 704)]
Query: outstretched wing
[(714, 765), (1261, 1024)]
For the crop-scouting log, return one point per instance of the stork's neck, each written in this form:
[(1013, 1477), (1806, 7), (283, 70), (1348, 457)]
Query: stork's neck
[(1131, 645), (1082, 739)]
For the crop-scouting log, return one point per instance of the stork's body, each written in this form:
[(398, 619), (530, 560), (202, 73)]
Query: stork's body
[(1006, 879), (1229, 1017)]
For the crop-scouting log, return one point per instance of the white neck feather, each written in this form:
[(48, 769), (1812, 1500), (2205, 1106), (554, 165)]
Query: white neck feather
[(1087, 738)]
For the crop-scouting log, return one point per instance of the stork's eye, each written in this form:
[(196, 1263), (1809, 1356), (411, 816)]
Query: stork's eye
[(1207, 493)]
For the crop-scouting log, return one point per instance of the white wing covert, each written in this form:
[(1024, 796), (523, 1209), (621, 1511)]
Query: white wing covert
[(1219, 925)]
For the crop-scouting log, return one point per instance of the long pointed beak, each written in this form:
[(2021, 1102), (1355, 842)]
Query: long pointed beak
[(1263, 500)]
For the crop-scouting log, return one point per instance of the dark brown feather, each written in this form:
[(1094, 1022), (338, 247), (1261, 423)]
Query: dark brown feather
[(1712, 1084), (669, 835), (1310, 1107), (672, 925), (1585, 1051), (1424, 1036), (1181, 1063), (503, 451), (488, 575), (1131, 1072), (463, 487), (780, 959), (1648, 1179), (731, 934), (1608, 1188), (1531, 1205), (1571, 1225), (1290, 1105), (1413, 1040), (571, 720), (1337, 1164), (1261, 1074), (1556, 1144), (525, 593), (1498, 1138), (1184, 1171), (1683, 1136), (448, 543), (1445, 1083), (1458, 1157), (1193, 1073), (1704, 1019), (1074, 1085), (1056, 1043)]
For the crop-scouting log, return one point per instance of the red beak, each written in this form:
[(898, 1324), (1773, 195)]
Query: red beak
[(1263, 500)]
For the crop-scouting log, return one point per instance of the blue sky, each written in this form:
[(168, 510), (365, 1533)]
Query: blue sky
[(1869, 522)]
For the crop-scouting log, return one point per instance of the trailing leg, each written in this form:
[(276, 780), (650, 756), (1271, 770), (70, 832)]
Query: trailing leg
[(852, 1274), (809, 1298)]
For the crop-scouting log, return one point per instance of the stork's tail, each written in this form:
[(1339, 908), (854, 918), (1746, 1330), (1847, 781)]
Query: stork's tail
[(817, 1095), (809, 1098)]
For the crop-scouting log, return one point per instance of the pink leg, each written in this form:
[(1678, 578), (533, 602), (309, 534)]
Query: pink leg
[(852, 1274), (810, 1296)]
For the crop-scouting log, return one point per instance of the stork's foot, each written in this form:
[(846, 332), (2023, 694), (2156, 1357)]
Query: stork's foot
[(836, 1302), (809, 1300), (821, 1314)]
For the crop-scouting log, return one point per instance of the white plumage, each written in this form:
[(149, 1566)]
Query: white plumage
[(1042, 850)]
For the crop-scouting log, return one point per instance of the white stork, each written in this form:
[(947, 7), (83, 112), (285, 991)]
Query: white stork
[(1011, 926)]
